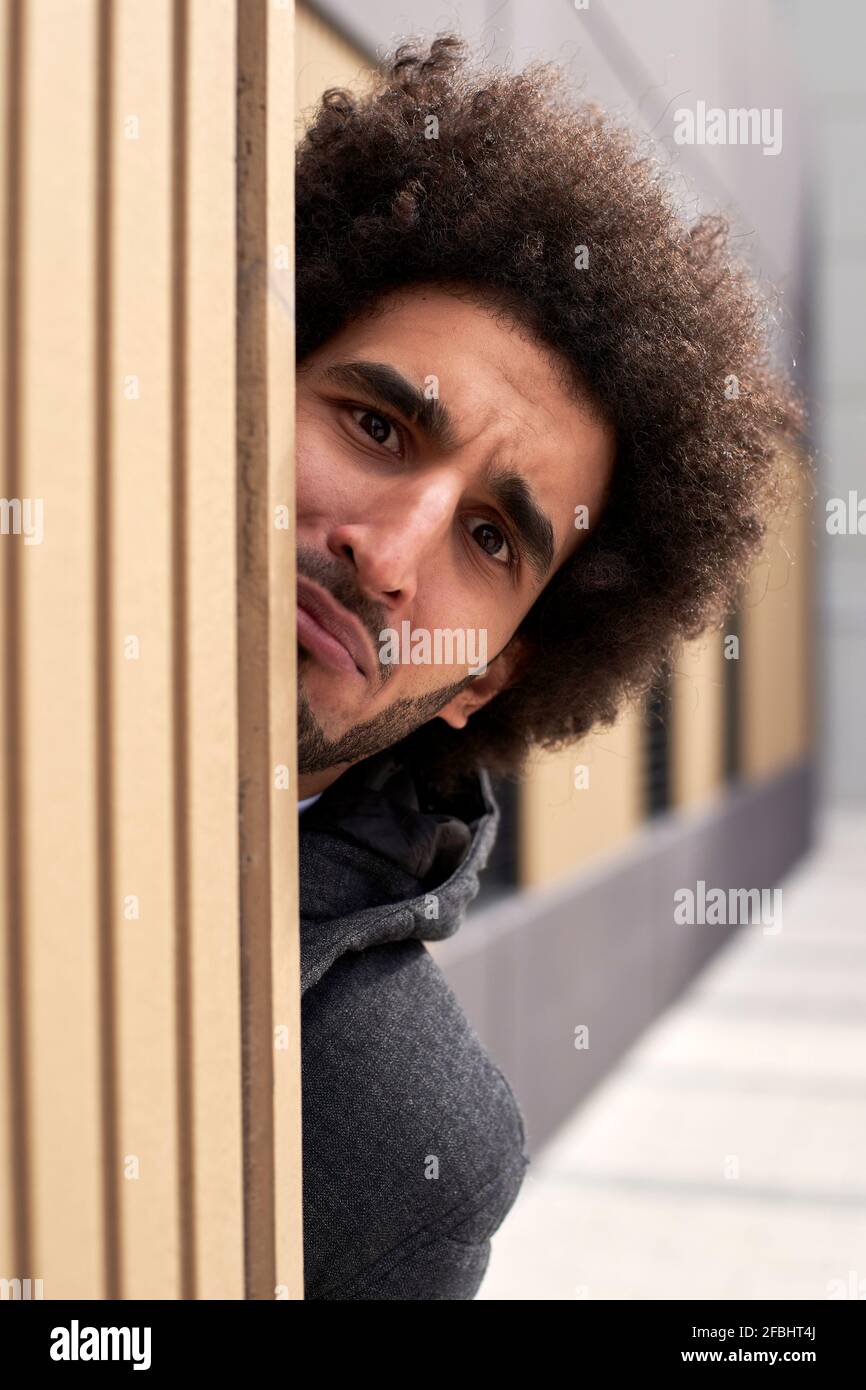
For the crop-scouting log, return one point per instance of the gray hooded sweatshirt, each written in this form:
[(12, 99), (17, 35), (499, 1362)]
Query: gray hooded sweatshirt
[(414, 1146)]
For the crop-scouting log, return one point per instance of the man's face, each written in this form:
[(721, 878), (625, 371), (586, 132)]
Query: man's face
[(440, 463)]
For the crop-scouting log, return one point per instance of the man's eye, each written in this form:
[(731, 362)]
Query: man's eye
[(379, 428), (491, 539)]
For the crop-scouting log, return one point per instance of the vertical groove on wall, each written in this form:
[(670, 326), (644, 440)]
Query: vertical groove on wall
[(732, 734), (253, 666), (12, 666), (180, 646), (103, 592)]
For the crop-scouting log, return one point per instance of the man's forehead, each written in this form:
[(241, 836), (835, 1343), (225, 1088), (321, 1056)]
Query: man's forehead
[(474, 396), (484, 363)]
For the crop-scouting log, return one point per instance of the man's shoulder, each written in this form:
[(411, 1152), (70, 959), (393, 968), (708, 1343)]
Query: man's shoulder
[(411, 1132)]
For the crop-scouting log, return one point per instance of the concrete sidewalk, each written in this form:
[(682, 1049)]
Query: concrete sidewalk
[(726, 1156)]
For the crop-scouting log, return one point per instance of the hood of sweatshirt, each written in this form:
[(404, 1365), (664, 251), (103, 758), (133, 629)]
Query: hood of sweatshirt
[(382, 859)]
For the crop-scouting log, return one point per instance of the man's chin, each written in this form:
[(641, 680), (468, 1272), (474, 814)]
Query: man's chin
[(328, 716), (346, 739)]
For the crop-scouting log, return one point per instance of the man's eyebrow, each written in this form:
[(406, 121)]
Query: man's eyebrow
[(393, 389), (515, 497)]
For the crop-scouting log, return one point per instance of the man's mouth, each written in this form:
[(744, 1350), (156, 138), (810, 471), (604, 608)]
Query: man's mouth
[(330, 632)]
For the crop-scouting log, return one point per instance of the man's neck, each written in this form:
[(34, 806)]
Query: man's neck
[(311, 783)]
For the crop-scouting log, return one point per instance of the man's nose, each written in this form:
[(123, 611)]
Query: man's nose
[(396, 533)]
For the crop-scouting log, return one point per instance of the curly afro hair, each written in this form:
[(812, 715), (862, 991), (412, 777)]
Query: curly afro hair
[(658, 326)]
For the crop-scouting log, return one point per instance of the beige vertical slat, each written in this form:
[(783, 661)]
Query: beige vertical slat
[(568, 821), (60, 916), (774, 653), (697, 715), (141, 650), (210, 449), (13, 1236), (266, 654), (285, 947)]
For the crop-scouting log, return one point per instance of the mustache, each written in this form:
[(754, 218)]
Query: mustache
[(338, 578)]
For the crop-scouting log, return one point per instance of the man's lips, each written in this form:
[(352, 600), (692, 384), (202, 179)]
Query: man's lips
[(330, 632)]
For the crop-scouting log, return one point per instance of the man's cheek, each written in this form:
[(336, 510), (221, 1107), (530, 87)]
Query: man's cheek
[(310, 479), (323, 487)]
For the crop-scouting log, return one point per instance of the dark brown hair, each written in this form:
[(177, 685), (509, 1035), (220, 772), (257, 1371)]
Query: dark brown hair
[(658, 324)]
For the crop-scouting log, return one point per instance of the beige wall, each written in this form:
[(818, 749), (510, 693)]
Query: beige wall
[(323, 59), (775, 648), (697, 722), (564, 825), (139, 965)]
